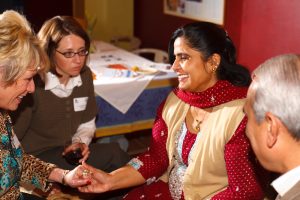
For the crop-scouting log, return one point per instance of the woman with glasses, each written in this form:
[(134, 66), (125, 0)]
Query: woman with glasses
[(57, 122)]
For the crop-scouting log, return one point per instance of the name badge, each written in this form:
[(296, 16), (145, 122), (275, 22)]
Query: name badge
[(16, 142), (80, 103)]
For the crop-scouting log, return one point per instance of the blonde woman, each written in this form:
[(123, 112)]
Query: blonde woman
[(21, 57)]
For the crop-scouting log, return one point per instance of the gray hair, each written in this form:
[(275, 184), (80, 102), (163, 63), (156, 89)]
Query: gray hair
[(277, 90)]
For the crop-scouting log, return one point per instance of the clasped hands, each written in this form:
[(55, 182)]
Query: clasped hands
[(87, 179)]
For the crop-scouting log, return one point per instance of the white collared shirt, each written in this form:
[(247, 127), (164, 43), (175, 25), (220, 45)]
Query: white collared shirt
[(86, 130), (286, 181)]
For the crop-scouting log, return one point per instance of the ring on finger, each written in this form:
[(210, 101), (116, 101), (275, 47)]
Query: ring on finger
[(86, 172)]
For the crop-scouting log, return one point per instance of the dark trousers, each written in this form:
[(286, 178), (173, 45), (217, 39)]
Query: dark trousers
[(106, 157), (31, 197)]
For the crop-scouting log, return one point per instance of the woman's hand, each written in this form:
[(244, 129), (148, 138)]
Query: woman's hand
[(85, 152), (76, 177), (99, 180), (72, 178)]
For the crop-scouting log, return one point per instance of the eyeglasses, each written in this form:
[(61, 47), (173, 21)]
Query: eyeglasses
[(71, 54)]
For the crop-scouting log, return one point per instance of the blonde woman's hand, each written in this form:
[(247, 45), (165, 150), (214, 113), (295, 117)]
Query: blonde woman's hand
[(99, 180), (77, 177)]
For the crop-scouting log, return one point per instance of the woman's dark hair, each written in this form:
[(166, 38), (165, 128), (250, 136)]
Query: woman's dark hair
[(56, 28), (209, 38)]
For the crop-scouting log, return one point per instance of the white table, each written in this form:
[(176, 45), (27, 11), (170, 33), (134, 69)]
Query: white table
[(127, 104)]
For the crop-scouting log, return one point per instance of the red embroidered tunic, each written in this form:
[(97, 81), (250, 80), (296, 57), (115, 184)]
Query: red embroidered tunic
[(242, 181)]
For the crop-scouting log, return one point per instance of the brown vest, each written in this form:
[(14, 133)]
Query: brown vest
[(46, 121)]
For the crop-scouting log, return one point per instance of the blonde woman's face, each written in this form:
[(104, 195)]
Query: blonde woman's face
[(11, 95)]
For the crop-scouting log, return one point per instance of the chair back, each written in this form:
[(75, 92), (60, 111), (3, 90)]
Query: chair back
[(129, 43), (156, 55)]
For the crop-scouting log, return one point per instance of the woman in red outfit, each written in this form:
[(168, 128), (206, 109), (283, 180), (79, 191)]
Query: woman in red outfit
[(199, 149)]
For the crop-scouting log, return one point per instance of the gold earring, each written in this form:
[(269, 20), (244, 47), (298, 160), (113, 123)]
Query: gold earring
[(214, 69)]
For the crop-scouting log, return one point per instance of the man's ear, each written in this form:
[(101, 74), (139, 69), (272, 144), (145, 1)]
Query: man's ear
[(272, 129)]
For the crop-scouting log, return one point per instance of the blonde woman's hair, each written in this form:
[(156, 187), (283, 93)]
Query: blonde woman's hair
[(20, 49)]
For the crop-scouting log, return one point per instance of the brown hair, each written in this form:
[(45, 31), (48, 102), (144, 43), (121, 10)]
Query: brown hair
[(54, 29)]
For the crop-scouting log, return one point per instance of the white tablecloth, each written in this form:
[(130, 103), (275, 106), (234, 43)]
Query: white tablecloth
[(120, 92)]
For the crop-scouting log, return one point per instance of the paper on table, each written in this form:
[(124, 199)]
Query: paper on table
[(119, 92), (105, 72), (162, 67)]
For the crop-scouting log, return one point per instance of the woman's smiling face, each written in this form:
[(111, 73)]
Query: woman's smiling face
[(11, 95), (194, 74)]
